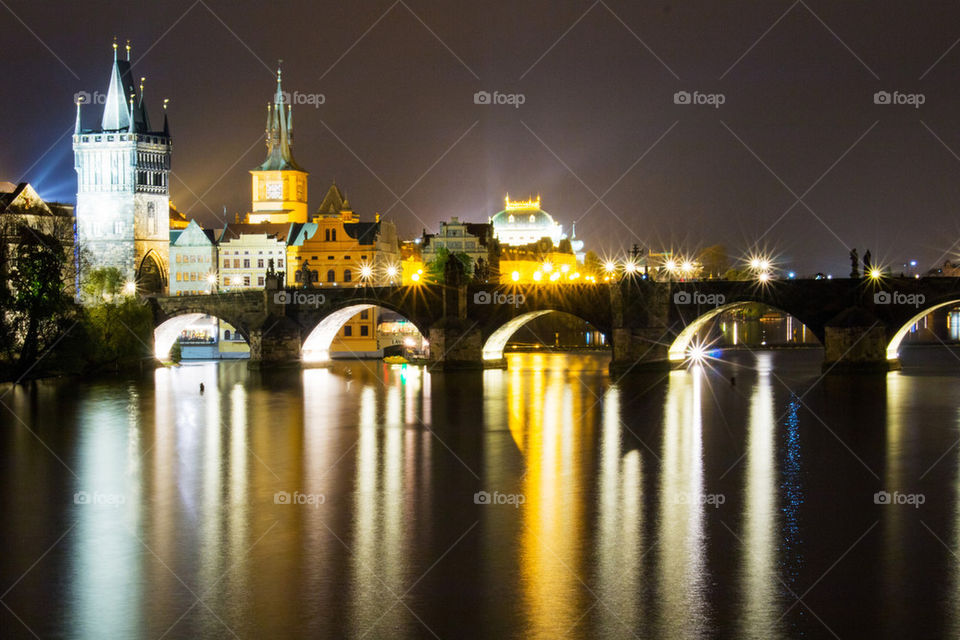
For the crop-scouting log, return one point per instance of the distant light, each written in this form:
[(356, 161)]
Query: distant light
[(392, 271), (409, 342), (515, 276), (630, 267), (669, 265), (554, 276), (610, 266), (913, 263), (755, 263), (764, 276), (565, 268), (792, 275), (537, 276), (696, 354), (415, 277), (875, 273), (366, 271), (547, 267), (829, 276), (687, 266), (212, 279), (130, 288)]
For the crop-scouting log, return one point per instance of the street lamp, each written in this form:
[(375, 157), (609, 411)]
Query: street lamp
[(130, 288)]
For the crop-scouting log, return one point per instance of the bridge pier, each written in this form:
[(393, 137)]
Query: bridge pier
[(275, 343), (855, 341), (636, 350), (455, 347)]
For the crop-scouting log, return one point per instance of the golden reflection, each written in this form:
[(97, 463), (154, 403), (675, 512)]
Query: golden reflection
[(682, 545), (620, 543), (551, 414), (388, 487), (760, 607), (895, 519)]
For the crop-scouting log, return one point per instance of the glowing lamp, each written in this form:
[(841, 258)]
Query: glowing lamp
[(415, 277), (875, 274), (392, 271), (537, 276), (610, 266), (366, 271), (515, 276), (547, 267), (130, 288)]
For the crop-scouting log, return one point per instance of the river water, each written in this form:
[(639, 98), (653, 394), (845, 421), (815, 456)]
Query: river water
[(547, 500)]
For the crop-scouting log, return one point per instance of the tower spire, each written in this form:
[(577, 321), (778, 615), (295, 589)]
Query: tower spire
[(131, 128), (166, 126), (128, 51), (76, 128), (116, 117)]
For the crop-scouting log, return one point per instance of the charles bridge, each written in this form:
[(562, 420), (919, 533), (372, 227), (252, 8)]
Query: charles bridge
[(859, 322)]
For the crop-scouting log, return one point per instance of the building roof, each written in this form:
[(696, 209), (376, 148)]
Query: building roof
[(177, 219), (277, 230), (119, 113), (22, 196), (362, 232), (333, 201)]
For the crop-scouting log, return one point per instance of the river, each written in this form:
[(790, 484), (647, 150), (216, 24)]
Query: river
[(547, 500)]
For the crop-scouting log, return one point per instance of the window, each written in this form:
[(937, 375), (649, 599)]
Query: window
[(259, 281), (314, 276), (326, 235), (260, 263), (117, 227), (280, 263), (510, 218), (246, 281), (298, 276), (226, 334), (347, 276), (364, 330), (236, 263), (364, 314), (348, 331), (246, 263), (178, 276), (331, 276), (152, 217)]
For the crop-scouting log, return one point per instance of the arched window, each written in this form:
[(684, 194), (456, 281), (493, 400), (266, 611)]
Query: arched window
[(331, 276), (314, 276), (226, 334), (297, 276), (510, 218), (347, 276)]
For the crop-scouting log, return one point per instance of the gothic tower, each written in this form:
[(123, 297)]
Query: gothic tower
[(279, 184), (123, 195)]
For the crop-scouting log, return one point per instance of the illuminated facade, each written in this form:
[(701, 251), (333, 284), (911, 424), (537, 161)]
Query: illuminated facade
[(193, 261), (459, 237), (336, 249), (122, 170), (246, 252), (529, 265), (523, 222), (279, 185)]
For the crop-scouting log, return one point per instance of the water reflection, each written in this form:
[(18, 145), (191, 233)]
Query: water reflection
[(760, 615), (682, 563)]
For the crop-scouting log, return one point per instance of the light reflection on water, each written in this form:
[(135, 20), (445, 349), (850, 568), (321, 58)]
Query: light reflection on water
[(619, 534)]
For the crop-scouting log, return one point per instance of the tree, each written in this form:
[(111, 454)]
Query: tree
[(437, 269), (102, 284), (118, 332), (481, 272), (592, 265), (39, 305)]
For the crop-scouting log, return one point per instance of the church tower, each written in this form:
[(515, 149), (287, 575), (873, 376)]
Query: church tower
[(279, 184), (123, 196)]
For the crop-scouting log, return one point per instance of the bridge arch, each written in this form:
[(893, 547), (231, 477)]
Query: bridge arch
[(495, 343), (893, 347), (166, 333), (316, 346), (681, 344)]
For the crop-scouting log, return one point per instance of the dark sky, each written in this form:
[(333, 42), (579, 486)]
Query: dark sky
[(598, 119)]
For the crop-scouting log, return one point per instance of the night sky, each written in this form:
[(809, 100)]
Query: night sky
[(599, 135)]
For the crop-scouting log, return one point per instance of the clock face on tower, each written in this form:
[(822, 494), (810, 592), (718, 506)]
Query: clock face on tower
[(274, 190)]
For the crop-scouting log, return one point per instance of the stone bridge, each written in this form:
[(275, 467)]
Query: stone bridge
[(860, 322)]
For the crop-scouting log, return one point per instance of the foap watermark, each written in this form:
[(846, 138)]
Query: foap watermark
[(697, 98), (309, 499), (496, 297), (912, 499), (312, 99), (85, 97), (513, 499), (95, 497), (898, 98), (512, 99), (299, 297), (709, 499), (899, 298), (696, 297)]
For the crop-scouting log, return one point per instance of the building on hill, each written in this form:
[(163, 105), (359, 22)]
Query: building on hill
[(122, 167), (523, 222), (247, 252), (473, 239), (279, 184), (193, 260)]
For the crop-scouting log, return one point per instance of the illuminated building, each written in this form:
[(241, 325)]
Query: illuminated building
[(193, 260), (122, 185), (523, 222), (22, 208), (412, 268), (336, 249), (246, 251), (177, 219), (475, 240), (538, 264), (279, 184)]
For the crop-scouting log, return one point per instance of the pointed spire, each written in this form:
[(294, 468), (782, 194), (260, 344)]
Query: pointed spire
[(166, 125), (115, 114), (290, 123), (79, 101), (132, 128), (128, 51)]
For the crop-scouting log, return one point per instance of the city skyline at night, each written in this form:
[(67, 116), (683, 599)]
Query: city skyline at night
[(796, 151)]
